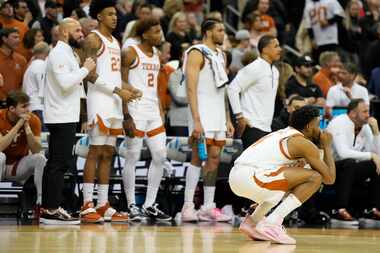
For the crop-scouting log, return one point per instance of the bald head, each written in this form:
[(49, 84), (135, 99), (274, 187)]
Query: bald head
[(68, 24), (70, 31)]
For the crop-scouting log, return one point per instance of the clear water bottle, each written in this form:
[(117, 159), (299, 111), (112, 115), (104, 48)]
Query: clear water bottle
[(202, 148)]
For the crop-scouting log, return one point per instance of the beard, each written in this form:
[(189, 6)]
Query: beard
[(74, 43)]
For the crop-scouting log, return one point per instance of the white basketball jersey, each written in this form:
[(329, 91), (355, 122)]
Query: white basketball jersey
[(270, 152), (143, 75), (211, 100), (108, 68), (324, 9)]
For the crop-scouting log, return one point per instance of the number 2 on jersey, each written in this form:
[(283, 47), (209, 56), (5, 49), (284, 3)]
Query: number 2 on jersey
[(150, 79)]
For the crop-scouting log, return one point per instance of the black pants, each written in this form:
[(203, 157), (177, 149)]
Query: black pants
[(350, 171), (251, 135), (61, 142)]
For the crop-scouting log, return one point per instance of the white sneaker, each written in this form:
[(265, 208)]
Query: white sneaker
[(212, 213), (227, 210), (188, 213)]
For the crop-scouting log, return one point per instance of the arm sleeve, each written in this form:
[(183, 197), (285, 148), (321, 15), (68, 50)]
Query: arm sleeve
[(66, 78), (335, 19)]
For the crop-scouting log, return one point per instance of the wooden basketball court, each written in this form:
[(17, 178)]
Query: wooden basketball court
[(186, 238)]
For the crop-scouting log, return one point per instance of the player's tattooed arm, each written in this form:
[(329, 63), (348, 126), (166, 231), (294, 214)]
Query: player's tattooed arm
[(91, 47)]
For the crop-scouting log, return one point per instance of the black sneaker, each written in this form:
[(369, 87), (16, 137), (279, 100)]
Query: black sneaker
[(136, 214), (59, 217), (156, 214), (370, 219), (341, 218)]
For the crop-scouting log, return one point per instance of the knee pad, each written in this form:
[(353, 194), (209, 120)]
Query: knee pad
[(132, 156), (159, 156)]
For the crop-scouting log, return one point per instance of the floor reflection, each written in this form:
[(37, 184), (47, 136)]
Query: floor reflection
[(186, 238)]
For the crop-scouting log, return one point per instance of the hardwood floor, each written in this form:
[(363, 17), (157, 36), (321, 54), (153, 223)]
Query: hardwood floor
[(188, 238)]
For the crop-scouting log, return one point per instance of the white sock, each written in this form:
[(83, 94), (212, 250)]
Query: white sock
[(88, 191), (102, 194), (260, 211), (155, 173), (208, 194), (290, 203), (129, 176), (38, 174), (192, 177)]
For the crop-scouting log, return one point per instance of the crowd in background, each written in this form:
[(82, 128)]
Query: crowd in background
[(338, 48)]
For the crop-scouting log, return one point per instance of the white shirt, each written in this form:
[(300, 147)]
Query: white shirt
[(63, 88), (323, 9), (33, 82), (257, 85), (337, 97), (346, 145)]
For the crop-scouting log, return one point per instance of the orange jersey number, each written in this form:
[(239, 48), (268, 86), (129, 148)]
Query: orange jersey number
[(115, 64)]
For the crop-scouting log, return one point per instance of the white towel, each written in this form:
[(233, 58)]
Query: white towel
[(217, 63)]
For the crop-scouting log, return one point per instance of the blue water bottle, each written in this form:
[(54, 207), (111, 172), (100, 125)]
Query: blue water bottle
[(202, 148)]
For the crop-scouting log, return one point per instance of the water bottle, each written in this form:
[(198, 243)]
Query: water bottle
[(202, 148)]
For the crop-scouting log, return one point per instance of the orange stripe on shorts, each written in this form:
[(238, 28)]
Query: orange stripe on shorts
[(156, 131), (277, 185)]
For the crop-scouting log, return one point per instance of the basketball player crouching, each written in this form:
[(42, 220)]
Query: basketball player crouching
[(272, 169)]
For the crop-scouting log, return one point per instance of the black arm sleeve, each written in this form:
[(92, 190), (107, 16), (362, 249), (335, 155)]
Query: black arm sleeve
[(335, 19)]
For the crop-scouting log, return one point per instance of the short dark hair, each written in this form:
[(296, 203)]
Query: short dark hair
[(296, 98), (5, 32), (146, 5), (16, 97), (208, 24), (144, 25), (351, 68), (16, 3), (354, 103), (264, 42), (98, 6), (303, 116)]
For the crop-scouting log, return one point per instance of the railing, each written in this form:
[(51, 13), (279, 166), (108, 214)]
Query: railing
[(230, 12)]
